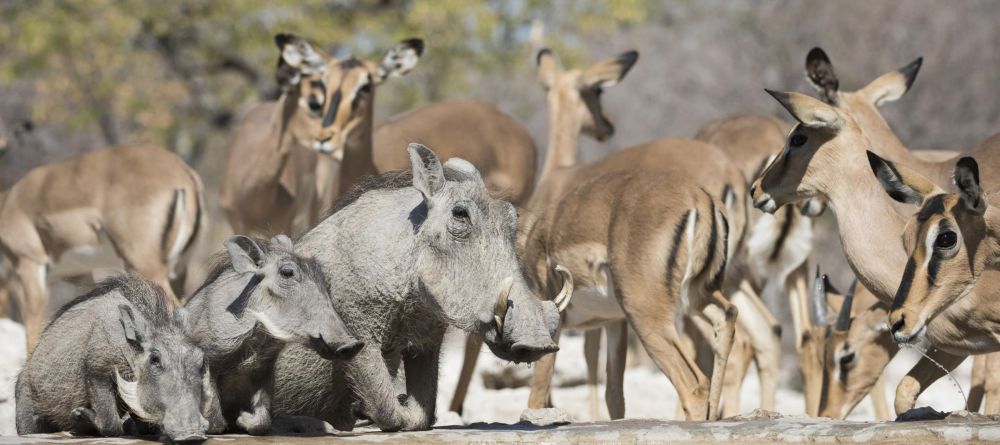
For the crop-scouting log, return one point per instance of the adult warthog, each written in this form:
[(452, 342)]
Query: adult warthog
[(259, 297), (116, 353), (408, 254)]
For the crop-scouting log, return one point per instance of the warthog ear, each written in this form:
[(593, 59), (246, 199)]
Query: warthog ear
[(819, 70), (400, 59), (182, 320), (607, 73), (902, 184), (136, 329), (298, 58), (967, 181), (245, 254), (283, 240), (428, 174)]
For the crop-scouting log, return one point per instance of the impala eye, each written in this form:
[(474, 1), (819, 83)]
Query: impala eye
[(315, 105), (945, 240), (847, 359), (798, 140)]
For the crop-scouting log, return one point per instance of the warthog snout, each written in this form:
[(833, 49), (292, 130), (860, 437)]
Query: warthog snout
[(337, 350), (531, 351), (185, 427)]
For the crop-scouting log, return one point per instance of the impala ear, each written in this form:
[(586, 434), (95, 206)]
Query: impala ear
[(890, 86), (298, 57), (809, 111), (902, 184), (967, 182), (819, 70), (607, 73), (547, 66), (400, 59)]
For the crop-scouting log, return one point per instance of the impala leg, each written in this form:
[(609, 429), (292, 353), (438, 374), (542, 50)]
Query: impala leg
[(921, 376), (591, 351), (736, 371), (992, 384), (541, 380), (977, 385), (614, 396), (756, 318), (473, 344), (33, 298), (722, 315), (658, 334), (880, 406)]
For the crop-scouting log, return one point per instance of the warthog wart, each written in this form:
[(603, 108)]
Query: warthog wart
[(408, 254), (118, 343), (259, 297)]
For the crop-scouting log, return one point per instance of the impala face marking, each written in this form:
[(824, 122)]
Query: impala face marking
[(336, 95), (950, 242)]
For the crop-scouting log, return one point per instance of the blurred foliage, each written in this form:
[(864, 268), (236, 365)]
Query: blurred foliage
[(178, 72)]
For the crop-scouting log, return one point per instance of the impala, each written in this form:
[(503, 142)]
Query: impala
[(574, 103), (824, 155), (283, 156), (144, 201)]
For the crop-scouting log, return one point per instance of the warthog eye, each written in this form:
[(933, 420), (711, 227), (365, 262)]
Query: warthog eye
[(155, 363), (945, 240), (287, 271), (460, 212), (798, 140)]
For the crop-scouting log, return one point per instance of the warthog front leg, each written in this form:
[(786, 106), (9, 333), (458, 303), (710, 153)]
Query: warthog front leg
[(258, 421), (103, 413), (422, 381), (375, 388)]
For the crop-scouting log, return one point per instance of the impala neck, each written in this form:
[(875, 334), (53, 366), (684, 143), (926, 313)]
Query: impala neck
[(885, 143), (564, 134), (869, 226), (358, 160)]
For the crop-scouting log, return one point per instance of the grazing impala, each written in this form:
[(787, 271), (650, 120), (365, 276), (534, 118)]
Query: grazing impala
[(574, 101), (274, 172), (825, 155), (145, 201)]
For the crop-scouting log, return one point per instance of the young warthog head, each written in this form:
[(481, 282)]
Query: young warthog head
[(287, 296), (951, 240), (468, 260), (334, 96), (170, 384)]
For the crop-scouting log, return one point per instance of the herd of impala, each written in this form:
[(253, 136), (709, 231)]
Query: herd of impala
[(675, 239)]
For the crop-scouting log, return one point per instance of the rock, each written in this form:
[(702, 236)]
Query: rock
[(546, 417), (756, 414)]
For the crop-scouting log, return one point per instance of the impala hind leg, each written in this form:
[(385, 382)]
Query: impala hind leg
[(977, 385), (766, 340), (722, 315), (473, 344), (654, 325), (33, 298), (880, 406), (736, 371)]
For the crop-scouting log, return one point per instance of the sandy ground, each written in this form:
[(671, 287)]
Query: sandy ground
[(648, 394)]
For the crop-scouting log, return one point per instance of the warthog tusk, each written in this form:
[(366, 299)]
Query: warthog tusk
[(562, 299), (129, 392), (500, 310)]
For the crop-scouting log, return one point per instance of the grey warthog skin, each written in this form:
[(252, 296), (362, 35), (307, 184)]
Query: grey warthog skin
[(259, 297), (406, 255), (117, 348)]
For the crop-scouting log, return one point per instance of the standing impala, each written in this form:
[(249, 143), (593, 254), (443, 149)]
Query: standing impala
[(282, 158), (145, 201), (825, 155)]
